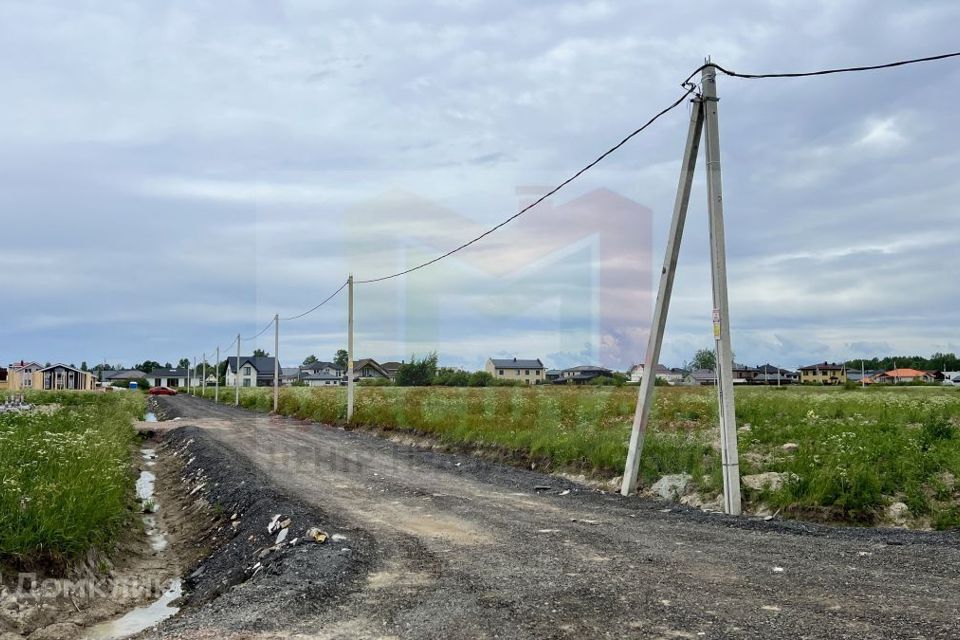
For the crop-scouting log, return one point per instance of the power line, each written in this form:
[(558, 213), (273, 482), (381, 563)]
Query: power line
[(262, 331), (822, 72), (533, 204), (312, 309)]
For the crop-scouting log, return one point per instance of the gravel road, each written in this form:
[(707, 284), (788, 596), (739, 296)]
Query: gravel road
[(465, 548)]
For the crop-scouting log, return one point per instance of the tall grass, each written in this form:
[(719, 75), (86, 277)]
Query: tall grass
[(65, 474), (857, 450)]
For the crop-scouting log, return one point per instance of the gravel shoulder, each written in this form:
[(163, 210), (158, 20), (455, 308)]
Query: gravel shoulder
[(446, 545)]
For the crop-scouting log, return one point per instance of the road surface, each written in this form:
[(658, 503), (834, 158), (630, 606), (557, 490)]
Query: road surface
[(466, 548)]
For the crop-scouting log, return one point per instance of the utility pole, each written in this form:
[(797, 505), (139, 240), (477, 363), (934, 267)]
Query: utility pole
[(641, 417), (216, 386), (350, 348), (203, 382), (236, 378), (276, 362), (703, 124), (863, 379), (721, 326), (193, 373)]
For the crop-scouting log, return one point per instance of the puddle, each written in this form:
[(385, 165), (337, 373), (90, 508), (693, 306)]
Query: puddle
[(136, 620), (150, 417), (140, 618)]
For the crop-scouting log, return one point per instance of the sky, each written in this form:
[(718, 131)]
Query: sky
[(176, 173)]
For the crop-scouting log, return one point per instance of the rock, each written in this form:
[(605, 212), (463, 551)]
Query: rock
[(949, 480), (898, 513), (58, 631), (714, 505), (282, 535), (744, 429), (790, 447), (317, 535), (692, 500), (672, 487), (770, 480), (614, 484)]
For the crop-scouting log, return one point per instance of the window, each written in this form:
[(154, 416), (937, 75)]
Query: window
[(527, 372), (246, 382), (501, 372), (246, 371)]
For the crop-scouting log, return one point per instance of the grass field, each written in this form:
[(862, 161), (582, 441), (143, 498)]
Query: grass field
[(857, 450), (65, 474)]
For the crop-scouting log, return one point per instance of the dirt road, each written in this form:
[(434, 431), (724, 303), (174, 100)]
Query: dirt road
[(464, 548)]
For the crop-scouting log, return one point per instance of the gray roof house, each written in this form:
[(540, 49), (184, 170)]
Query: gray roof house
[(255, 371), (582, 374), (521, 370), (703, 377), (170, 378)]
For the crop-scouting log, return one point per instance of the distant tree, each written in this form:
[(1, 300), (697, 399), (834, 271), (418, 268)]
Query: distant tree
[(341, 359), (451, 378), (83, 366), (310, 359), (147, 366), (260, 353), (184, 363), (168, 366), (480, 379), (704, 359), (417, 373)]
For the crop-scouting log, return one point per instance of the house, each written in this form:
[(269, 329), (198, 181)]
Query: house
[(322, 379), (527, 371), (897, 376), (254, 371), (170, 378), (823, 373), (391, 368), (582, 374), (702, 377), (769, 374), (368, 369), (289, 375), (553, 374), (20, 374), (743, 374), (125, 375), (63, 377), (667, 374)]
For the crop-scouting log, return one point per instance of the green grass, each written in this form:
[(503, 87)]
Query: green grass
[(858, 450), (65, 474)]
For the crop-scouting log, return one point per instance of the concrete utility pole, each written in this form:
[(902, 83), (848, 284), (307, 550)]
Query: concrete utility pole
[(721, 306), (194, 372), (703, 123), (276, 362), (350, 348), (236, 378), (655, 340), (203, 383), (216, 387)]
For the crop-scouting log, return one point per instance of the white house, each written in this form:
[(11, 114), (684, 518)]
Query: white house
[(670, 376), (255, 371), (170, 378)]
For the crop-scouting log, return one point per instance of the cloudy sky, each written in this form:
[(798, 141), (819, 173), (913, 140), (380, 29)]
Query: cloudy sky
[(173, 173)]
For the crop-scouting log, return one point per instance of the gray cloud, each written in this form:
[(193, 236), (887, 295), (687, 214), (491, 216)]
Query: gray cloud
[(173, 175)]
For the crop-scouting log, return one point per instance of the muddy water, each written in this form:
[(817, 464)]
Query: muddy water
[(144, 617)]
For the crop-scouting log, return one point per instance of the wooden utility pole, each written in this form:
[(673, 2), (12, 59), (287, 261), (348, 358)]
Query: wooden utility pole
[(703, 123), (276, 362), (350, 348)]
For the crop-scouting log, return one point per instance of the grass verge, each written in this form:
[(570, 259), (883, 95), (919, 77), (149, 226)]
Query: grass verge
[(65, 475), (857, 451)]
